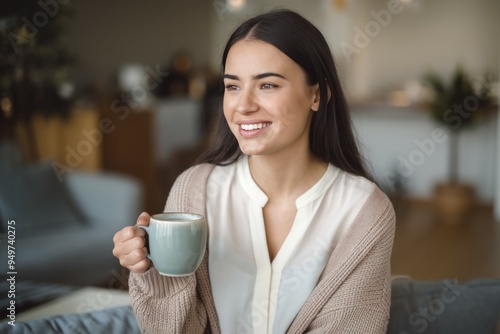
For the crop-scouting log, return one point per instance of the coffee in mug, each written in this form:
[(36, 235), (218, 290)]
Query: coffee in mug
[(177, 242)]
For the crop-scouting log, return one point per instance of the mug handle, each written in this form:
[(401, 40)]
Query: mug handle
[(146, 229)]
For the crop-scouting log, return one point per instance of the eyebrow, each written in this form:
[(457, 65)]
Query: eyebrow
[(255, 77)]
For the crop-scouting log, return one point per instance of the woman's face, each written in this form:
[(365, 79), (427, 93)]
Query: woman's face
[(267, 100)]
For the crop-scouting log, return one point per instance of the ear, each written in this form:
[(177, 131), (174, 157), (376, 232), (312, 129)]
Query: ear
[(316, 96)]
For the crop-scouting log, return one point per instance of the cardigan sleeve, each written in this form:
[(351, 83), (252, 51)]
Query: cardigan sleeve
[(166, 304), (354, 291), (177, 304)]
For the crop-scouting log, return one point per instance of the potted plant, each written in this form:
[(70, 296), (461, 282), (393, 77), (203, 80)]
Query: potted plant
[(456, 105), (34, 67)]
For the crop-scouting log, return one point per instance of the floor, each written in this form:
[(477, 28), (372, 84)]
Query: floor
[(426, 249)]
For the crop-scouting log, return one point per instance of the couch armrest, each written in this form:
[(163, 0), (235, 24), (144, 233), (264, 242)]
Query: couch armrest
[(445, 306), (113, 320), (106, 197)]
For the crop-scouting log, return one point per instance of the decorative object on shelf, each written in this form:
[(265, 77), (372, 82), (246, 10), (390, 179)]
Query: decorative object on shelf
[(456, 105), (35, 68), (339, 4), (235, 5), (131, 82), (176, 83)]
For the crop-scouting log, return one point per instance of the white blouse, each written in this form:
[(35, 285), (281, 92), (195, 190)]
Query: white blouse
[(251, 293)]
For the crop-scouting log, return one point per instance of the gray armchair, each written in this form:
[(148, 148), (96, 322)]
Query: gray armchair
[(69, 252)]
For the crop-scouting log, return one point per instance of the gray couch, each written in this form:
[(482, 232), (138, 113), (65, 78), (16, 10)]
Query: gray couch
[(417, 307), (64, 227)]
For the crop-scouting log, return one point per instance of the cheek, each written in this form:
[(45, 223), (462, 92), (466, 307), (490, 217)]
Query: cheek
[(228, 116), (294, 109)]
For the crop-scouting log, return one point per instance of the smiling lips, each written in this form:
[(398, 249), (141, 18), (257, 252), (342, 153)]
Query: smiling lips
[(256, 126)]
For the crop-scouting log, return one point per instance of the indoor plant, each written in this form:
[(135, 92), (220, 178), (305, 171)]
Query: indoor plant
[(34, 66), (456, 105)]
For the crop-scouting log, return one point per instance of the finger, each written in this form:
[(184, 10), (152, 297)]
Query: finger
[(143, 219), (128, 233), (123, 249), (134, 257), (122, 235), (141, 266), (127, 247)]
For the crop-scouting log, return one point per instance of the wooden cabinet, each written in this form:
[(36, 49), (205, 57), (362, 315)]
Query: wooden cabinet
[(129, 149), (73, 143)]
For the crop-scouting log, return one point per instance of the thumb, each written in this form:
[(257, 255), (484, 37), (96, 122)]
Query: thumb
[(143, 219)]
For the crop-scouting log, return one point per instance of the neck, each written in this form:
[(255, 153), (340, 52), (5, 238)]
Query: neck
[(286, 178)]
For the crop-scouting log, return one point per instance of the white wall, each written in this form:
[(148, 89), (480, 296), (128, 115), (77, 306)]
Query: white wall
[(107, 34), (223, 22), (428, 35), (389, 136)]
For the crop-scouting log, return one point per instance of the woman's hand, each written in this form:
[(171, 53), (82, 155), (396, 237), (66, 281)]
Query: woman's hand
[(130, 246)]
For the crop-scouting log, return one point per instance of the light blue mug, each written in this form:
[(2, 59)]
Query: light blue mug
[(177, 242)]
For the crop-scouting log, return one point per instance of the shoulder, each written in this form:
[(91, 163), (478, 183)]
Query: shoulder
[(354, 183), (376, 204), (188, 190), (194, 174)]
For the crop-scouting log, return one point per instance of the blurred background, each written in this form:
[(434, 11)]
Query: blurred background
[(108, 99)]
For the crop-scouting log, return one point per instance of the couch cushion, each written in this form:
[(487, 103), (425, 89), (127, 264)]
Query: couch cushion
[(30, 294), (79, 255), (117, 320), (445, 306), (33, 196)]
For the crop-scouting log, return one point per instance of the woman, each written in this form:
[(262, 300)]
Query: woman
[(300, 239)]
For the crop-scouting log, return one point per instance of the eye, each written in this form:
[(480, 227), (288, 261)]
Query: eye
[(268, 86), (231, 87)]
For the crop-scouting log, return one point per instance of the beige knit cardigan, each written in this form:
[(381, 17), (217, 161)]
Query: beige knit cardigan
[(351, 296)]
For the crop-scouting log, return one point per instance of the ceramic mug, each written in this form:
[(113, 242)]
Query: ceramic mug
[(177, 242)]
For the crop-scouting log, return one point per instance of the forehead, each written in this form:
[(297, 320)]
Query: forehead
[(255, 56)]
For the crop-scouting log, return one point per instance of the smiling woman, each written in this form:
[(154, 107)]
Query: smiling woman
[(299, 45), (300, 238)]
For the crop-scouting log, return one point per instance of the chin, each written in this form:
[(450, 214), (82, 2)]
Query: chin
[(251, 151)]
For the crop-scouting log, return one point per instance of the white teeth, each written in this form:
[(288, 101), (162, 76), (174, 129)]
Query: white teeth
[(249, 127)]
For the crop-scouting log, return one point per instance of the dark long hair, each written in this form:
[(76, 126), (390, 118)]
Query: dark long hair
[(331, 136)]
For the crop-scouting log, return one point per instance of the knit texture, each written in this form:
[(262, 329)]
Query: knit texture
[(352, 294)]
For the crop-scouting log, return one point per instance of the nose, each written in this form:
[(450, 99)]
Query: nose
[(246, 102)]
